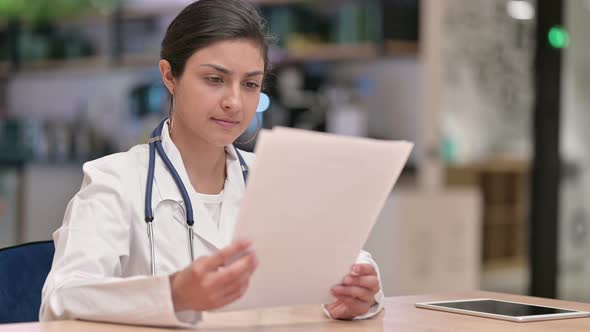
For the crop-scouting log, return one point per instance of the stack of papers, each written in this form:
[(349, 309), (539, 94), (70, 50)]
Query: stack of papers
[(310, 203)]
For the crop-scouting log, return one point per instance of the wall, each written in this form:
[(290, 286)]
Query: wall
[(428, 250), (9, 193), (488, 94), (394, 105), (101, 93), (47, 191), (574, 229)]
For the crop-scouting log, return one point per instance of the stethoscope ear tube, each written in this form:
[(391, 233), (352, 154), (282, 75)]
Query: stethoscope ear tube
[(155, 145), (149, 215)]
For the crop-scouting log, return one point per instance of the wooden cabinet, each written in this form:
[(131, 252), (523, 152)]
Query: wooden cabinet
[(504, 188)]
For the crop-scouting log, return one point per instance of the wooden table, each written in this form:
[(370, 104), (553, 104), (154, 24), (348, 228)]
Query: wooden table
[(399, 315)]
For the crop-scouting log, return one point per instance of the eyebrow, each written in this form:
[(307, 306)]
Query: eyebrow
[(228, 72)]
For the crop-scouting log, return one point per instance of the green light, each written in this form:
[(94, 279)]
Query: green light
[(558, 37)]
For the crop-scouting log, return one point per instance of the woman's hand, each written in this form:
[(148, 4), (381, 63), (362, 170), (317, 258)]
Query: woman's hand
[(356, 294), (208, 283)]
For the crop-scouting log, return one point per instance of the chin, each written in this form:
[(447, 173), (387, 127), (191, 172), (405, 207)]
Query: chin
[(223, 139)]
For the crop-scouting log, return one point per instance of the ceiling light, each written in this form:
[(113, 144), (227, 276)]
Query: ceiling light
[(520, 9)]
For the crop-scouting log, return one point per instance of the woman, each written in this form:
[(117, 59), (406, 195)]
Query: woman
[(214, 58)]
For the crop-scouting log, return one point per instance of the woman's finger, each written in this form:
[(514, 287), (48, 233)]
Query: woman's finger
[(369, 282), (347, 307), (228, 291), (359, 293), (234, 296), (236, 272), (363, 269), (220, 257)]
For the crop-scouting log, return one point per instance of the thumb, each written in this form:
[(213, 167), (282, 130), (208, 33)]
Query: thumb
[(219, 258)]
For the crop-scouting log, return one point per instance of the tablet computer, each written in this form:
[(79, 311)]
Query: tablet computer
[(506, 310)]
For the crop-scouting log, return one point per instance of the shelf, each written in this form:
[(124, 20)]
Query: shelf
[(333, 52), (318, 53), (496, 165), (139, 60), (275, 2), (401, 48), (91, 17), (86, 63), (351, 52), (175, 8), (53, 65), (170, 9), (4, 69), (505, 263)]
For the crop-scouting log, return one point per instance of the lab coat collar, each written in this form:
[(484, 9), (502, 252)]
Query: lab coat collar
[(167, 190)]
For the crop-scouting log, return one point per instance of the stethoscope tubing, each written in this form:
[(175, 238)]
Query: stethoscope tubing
[(155, 146)]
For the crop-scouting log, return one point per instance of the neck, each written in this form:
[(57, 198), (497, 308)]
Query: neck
[(204, 163)]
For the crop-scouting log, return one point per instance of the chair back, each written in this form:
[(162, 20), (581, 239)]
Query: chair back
[(23, 270)]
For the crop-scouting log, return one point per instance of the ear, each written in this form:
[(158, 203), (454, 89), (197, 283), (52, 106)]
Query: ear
[(167, 77)]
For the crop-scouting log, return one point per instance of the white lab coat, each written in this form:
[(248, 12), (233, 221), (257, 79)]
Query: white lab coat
[(101, 267)]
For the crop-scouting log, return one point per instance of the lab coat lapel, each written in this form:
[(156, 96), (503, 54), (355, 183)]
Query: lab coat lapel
[(233, 192), (204, 227)]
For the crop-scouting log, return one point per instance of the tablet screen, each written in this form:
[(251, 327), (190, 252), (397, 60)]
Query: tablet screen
[(502, 308)]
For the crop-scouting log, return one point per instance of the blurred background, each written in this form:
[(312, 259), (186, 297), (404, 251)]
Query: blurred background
[(492, 92)]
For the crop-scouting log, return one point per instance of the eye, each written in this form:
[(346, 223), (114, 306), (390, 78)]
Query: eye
[(252, 85), (214, 79)]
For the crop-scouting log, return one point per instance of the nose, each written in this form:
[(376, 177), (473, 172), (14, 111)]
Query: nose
[(232, 100)]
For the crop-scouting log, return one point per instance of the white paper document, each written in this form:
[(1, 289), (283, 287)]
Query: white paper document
[(310, 203)]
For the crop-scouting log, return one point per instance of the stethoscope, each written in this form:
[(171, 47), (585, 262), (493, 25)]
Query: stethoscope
[(155, 145)]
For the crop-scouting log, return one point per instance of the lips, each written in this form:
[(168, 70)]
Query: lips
[(225, 123)]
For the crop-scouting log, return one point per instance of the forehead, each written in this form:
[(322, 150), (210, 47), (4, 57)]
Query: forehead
[(237, 55)]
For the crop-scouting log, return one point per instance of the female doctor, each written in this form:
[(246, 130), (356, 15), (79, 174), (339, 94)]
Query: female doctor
[(123, 255)]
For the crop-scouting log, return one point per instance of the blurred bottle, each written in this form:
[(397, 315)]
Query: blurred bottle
[(59, 145), (357, 22), (282, 23), (36, 140), (347, 27), (81, 133), (346, 115)]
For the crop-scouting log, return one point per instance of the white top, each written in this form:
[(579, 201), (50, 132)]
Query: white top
[(213, 205)]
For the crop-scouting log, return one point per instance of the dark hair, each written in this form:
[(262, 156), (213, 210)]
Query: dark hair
[(205, 22)]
